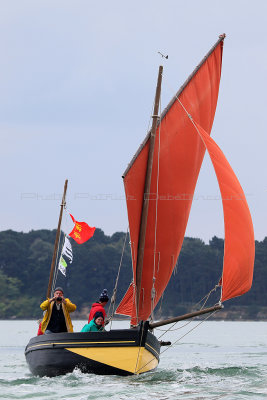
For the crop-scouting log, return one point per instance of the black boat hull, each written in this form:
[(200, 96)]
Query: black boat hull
[(116, 352)]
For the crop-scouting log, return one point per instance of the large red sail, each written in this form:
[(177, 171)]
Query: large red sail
[(239, 244), (178, 156)]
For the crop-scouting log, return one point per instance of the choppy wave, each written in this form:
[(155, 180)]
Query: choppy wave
[(224, 371), (192, 383)]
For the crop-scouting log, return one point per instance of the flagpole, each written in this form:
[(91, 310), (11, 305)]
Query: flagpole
[(48, 294)]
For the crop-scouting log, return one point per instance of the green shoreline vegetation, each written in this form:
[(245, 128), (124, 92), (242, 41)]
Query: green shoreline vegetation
[(25, 260)]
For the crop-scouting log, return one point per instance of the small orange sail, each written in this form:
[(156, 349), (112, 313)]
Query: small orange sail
[(127, 305), (177, 160), (239, 244)]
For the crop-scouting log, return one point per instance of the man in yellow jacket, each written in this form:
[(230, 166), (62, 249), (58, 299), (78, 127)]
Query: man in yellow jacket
[(57, 318)]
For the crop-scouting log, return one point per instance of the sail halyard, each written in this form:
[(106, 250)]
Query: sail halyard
[(180, 160)]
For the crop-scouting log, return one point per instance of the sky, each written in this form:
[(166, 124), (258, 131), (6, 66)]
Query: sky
[(77, 85)]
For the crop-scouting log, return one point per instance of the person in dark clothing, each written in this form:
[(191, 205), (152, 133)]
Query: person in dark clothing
[(57, 318), (99, 306), (57, 321)]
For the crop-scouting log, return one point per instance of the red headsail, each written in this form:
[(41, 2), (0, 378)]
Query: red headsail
[(239, 244)]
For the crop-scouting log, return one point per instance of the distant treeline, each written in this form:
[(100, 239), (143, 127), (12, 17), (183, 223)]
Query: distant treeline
[(25, 260)]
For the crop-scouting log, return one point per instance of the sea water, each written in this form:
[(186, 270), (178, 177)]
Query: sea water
[(213, 360)]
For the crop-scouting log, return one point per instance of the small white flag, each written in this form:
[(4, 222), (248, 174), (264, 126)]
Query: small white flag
[(67, 249), (62, 266)]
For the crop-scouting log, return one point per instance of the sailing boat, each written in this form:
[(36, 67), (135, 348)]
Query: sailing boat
[(159, 184)]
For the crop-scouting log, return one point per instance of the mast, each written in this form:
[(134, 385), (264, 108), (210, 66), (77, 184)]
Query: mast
[(143, 224), (57, 240)]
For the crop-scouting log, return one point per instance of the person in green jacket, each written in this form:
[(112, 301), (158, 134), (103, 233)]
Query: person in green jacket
[(96, 324)]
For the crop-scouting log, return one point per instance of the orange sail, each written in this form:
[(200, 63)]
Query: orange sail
[(239, 244), (177, 159)]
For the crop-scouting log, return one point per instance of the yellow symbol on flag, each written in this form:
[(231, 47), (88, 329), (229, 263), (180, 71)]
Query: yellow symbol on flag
[(78, 227), (77, 235)]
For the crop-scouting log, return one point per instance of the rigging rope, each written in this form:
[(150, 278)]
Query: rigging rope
[(170, 329), (201, 322), (139, 350), (113, 298)]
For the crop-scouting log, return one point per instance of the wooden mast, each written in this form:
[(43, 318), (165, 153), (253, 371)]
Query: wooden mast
[(48, 294), (143, 224)]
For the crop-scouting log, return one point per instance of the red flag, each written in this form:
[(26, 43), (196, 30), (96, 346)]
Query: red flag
[(81, 231)]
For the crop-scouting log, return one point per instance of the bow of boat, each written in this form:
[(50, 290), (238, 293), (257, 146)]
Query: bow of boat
[(119, 352)]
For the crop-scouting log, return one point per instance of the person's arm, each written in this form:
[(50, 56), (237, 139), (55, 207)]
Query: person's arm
[(86, 328), (45, 304), (69, 305)]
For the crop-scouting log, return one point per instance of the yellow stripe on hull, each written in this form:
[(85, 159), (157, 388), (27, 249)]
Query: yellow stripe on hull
[(135, 360), (68, 343)]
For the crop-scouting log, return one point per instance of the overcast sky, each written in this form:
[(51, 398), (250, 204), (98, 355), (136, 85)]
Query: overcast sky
[(77, 82)]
